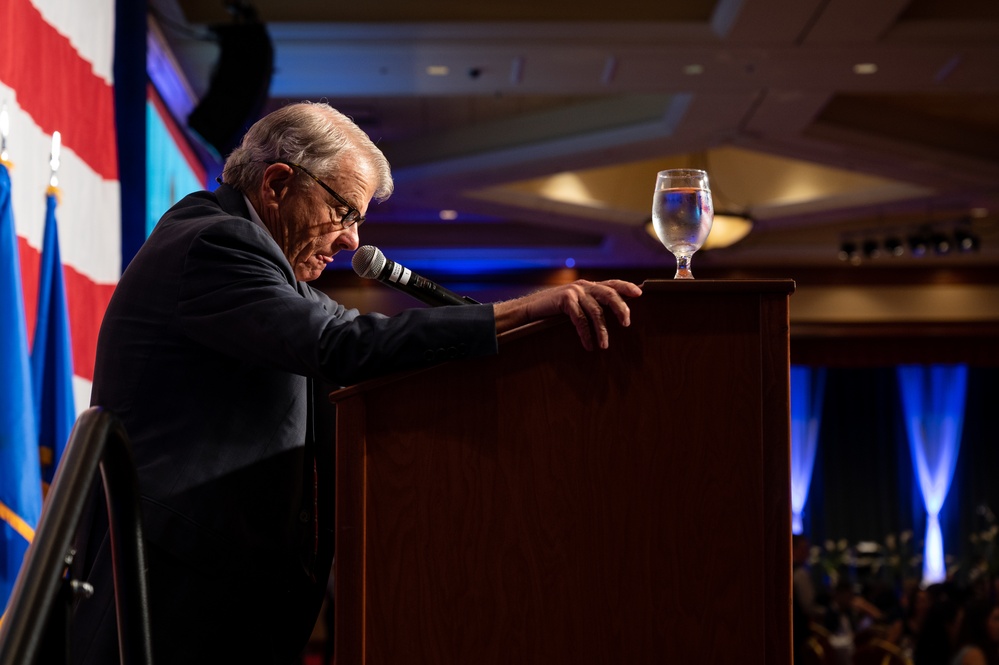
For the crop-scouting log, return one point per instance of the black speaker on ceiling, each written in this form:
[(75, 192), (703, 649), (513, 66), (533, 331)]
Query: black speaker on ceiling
[(239, 85)]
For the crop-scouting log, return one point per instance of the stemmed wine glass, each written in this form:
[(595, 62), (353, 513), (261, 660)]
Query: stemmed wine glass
[(682, 214)]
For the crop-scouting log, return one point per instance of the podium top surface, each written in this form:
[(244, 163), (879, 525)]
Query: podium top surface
[(785, 286), (653, 287)]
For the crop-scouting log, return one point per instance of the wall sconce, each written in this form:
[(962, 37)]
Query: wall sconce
[(727, 228)]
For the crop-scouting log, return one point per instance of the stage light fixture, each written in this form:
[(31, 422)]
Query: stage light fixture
[(848, 252), (966, 241), (918, 244), (938, 238), (894, 246), (941, 243), (871, 249)]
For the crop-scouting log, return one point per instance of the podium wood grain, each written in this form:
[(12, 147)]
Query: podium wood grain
[(552, 505)]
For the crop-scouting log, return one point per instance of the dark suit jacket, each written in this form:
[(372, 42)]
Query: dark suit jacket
[(203, 354)]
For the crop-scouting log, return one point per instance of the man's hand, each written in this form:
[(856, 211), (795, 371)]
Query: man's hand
[(585, 303)]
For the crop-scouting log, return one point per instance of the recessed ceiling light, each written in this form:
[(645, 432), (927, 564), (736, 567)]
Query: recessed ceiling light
[(693, 70), (865, 68), (438, 70)]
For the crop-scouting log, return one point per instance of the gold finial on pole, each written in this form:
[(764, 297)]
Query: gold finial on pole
[(53, 187), (4, 131)]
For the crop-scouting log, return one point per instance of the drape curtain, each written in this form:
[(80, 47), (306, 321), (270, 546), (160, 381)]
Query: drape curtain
[(933, 400), (807, 388)]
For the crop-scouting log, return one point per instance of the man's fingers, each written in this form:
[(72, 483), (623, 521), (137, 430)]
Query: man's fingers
[(582, 301), (585, 304), (579, 319), (597, 321), (610, 294), (624, 288), (613, 300)]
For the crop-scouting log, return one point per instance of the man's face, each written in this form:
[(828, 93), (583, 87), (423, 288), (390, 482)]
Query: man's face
[(306, 223)]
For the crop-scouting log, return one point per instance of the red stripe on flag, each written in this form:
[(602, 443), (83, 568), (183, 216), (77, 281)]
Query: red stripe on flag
[(86, 301), (56, 87)]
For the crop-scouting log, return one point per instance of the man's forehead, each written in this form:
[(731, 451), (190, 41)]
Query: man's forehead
[(353, 171)]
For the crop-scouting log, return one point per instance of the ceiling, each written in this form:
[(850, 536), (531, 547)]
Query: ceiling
[(542, 124)]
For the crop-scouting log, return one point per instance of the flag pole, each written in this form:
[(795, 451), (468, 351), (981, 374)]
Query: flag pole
[(4, 131), (52, 355)]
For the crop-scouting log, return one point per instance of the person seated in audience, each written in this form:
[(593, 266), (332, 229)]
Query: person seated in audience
[(842, 620), (880, 605), (915, 604), (849, 613), (937, 639), (978, 637), (803, 605)]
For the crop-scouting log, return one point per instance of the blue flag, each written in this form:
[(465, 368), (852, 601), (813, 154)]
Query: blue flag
[(20, 475), (51, 355)]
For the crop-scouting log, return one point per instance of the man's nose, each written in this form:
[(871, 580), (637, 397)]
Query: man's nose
[(350, 239)]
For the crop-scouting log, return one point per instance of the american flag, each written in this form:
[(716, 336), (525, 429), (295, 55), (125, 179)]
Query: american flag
[(56, 64), (56, 60)]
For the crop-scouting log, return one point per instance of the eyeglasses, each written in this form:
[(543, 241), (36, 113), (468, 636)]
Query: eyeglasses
[(349, 218)]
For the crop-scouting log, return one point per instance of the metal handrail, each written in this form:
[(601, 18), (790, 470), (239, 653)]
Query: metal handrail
[(98, 440)]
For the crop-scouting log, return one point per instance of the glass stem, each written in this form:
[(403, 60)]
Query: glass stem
[(683, 268)]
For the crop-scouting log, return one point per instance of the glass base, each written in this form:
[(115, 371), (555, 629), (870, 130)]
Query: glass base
[(683, 268)]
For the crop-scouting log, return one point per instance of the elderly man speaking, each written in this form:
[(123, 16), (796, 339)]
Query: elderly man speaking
[(208, 352)]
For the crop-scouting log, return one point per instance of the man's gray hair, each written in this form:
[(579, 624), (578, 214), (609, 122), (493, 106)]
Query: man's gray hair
[(312, 134)]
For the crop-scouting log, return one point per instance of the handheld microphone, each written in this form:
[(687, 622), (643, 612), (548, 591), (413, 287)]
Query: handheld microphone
[(370, 263)]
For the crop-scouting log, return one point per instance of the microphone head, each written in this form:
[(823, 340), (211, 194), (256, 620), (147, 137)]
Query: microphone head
[(368, 261)]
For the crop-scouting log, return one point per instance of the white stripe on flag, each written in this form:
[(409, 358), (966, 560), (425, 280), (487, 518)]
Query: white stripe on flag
[(81, 394), (90, 207), (89, 27)]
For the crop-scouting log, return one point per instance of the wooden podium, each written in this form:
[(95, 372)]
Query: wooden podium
[(552, 505)]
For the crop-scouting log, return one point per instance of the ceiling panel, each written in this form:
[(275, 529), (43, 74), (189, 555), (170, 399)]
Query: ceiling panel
[(198, 11), (881, 117)]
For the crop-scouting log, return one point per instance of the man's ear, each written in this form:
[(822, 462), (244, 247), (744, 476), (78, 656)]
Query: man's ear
[(276, 183)]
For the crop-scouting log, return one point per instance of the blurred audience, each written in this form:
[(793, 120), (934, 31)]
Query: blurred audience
[(914, 606), (937, 639), (978, 635), (803, 597), (951, 623)]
